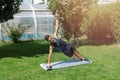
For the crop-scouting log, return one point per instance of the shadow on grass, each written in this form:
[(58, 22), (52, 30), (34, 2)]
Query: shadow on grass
[(28, 49)]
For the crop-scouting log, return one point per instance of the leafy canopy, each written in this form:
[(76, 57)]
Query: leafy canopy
[(8, 8)]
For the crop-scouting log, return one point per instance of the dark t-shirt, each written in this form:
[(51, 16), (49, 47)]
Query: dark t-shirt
[(63, 46)]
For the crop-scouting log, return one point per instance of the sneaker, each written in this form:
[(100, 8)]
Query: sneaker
[(86, 59)]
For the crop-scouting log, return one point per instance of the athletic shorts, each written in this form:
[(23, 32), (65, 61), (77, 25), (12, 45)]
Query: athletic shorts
[(69, 50)]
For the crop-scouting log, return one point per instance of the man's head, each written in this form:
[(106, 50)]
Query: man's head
[(48, 38)]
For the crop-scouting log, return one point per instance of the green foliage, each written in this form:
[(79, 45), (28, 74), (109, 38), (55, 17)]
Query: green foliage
[(54, 5), (72, 12), (102, 23), (8, 8), (100, 30), (66, 35), (115, 17), (15, 31)]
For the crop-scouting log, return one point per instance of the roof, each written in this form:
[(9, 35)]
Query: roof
[(25, 6)]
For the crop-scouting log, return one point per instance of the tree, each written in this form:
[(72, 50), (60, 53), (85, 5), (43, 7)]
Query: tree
[(72, 12), (7, 9), (53, 6)]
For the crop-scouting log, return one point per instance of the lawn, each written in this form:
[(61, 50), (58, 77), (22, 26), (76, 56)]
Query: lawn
[(21, 62)]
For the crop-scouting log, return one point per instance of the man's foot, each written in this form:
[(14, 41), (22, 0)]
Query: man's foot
[(86, 59)]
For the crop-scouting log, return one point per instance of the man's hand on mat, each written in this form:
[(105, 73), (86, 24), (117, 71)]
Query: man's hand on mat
[(49, 67)]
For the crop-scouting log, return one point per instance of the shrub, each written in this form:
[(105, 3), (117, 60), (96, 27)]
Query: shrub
[(15, 31), (115, 17), (101, 26)]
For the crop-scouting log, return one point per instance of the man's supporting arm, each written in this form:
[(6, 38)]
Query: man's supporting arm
[(50, 55)]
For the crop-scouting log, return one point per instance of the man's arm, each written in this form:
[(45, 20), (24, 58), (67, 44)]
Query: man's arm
[(56, 28), (56, 23), (50, 55)]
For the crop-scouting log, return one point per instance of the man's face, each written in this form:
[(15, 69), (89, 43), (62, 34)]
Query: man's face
[(50, 39)]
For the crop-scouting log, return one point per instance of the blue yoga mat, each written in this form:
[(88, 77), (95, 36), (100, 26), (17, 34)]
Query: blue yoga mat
[(64, 64)]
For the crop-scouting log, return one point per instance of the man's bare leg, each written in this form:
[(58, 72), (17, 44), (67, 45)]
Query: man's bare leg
[(76, 54)]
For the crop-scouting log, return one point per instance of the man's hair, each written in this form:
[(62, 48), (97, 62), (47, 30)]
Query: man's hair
[(47, 37)]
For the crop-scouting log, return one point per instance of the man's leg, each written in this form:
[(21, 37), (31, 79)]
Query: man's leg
[(76, 54)]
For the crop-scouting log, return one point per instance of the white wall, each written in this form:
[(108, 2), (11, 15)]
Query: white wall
[(37, 1), (34, 1), (27, 1)]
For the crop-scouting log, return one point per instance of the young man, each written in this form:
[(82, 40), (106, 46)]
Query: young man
[(62, 46)]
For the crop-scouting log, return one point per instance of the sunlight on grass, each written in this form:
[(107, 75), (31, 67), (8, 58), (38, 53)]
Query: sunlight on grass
[(22, 63)]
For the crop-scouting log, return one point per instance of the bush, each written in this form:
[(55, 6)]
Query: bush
[(115, 17), (14, 31), (103, 24)]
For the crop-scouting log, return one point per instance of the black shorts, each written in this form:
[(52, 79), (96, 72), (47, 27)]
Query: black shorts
[(69, 50)]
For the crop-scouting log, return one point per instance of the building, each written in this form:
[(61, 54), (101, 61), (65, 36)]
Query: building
[(34, 1), (33, 13)]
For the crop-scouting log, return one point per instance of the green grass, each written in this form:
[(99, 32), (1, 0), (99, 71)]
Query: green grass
[(21, 62)]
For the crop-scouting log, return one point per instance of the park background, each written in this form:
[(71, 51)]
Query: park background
[(93, 28)]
